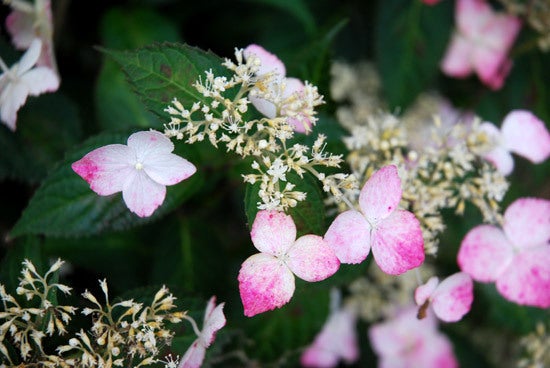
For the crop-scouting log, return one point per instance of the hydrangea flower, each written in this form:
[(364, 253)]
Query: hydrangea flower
[(408, 342), (480, 43), (450, 299), (214, 320), (394, 235), (21, 80), (140, 170), (336, 341), (516, 257), (266, 279), (280, 89), (521, 133)]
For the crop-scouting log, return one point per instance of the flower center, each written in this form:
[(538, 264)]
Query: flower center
[(138, 166)]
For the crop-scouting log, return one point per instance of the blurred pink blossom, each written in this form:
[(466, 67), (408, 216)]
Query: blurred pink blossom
[(516, 257), (481, 43)]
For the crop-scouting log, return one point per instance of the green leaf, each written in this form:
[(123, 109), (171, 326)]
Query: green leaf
[(296, 8), (64, 205), (161, 72)]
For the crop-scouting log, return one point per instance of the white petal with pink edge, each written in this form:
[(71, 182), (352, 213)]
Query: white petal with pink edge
[(349, 237), (142, 195), (265, 283), (527, 222), (214, 320), (501, 159), (311, 259), (424, 292), (453, 297), (273, 232), (381, 194), (527, 280), (270, 62), (167, 168), (524, 134), (397, 243), (193, 357), (485, 253)]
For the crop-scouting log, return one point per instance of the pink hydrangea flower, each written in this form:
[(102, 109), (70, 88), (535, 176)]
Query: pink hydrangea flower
[(394, 235), (481, 43), (408, 342), (516, 257), (29, 21), (450, 299), (280, 87), (21, 80), (214, 320), (521, 133), (140, 170), (336, 341), (266, 279)]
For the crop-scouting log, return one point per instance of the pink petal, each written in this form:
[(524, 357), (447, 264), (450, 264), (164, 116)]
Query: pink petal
[(527, 280), (193, 357), (424, 292), (30, 57), (485, 253), (349, 237), (472, 16), (265, 283), (270, 62), (501, 159), (397, 243), (524, 134), (150, 142), (20, 26), (12, 98), (311, 259), (214, 320), (318, 357), (168, 168), (381, 194), (453, 297), (300, 124), (435, 351), (142, 195), (273, 232), (491, 66), (106, 169), (39, 80), (527, 222), (499, 32), (457, 60)]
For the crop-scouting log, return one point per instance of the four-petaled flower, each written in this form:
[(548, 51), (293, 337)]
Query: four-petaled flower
[(394, 235), (521, 133), (22, 80), (480, 43), (141, 170), (266, 279), (451, 299), (214, 320), (516, 257)]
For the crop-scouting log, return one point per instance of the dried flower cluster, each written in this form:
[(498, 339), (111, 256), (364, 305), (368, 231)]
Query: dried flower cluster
[(438, 159), (224, 120)]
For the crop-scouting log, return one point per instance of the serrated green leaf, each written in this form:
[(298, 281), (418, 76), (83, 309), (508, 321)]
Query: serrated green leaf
[(64, 205), (161, 72)]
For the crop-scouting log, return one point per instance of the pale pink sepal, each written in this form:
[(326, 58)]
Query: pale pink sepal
[(193, 357), (484, 253), (336, 341), (20, 26), (349, 237), (273, 232), (381, 194), (300, 123), (141, 194), (270, 63), (424, 292), (311, 259), (456, 61), (397, 244), (453, 298), (265, 283), (527, 281), (527, 222), (524, 134)]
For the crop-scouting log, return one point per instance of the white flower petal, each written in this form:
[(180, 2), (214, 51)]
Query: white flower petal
[(167, 168), (142, 195), (30, 57)]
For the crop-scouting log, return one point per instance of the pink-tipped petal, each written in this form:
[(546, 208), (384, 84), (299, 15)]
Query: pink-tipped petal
[(524, 134), (453, 297), (492, 67), (485, 253), (39, 80), (168, 168), (270, 62), (349, 237), (265, 283), (457, 60), (424, 292), (20, 26), (397, 244), (381, 194), (311, 259), (273, 232), (149, 142), (106, 169), (527, 280), (142, 195), (527, 222), (214, 320), (193, 357)]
